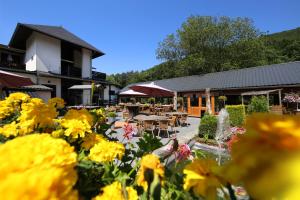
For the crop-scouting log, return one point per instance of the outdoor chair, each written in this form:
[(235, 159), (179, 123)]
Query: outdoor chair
[(149, 126), (140, 128), (172, 123), (125, 116), (183, 119), (163, 125)]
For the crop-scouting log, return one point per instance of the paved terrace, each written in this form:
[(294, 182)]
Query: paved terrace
[(184, 134)]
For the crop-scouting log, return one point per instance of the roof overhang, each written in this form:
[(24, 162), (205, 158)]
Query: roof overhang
[(22, 32)]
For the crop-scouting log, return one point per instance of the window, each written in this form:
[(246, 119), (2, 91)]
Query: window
[(112, 92), (194, 101), (203, 101)]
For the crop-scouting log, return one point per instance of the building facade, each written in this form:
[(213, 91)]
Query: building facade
[(53, 57)]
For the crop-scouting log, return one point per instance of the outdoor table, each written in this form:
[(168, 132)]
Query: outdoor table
[(150, 118), (175, 113), (83, 107)]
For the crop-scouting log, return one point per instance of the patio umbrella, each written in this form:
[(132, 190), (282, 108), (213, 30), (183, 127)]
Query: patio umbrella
[(11, 80), (132, 93), (152, 90)]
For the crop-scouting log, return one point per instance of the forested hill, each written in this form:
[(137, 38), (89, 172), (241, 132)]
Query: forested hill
[(211, 44), (293, 34)]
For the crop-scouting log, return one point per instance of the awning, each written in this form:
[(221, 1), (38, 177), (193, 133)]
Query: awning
[(132, 93), (37, 87), (82, 87), (153, 90), (253, 93), (11, 80)]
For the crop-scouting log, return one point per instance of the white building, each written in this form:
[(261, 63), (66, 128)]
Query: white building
[(56, 58)]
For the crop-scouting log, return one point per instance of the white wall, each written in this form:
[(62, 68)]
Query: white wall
[(43, 53), (30, 55), (106, 91), (45, 95), (48, 53), (86, 63), (51, 81)]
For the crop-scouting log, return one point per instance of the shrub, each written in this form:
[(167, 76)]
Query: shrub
[(111, 114), (208, 126), (151, 100), (236, 114), (258, 104)]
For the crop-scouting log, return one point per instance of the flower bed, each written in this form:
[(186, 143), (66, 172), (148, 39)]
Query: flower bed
[(74, 157)]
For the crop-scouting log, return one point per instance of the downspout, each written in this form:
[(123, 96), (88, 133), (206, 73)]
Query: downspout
[(109, 97)]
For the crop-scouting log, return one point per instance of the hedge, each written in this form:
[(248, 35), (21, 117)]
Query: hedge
[(258, 104), (237, 114), (208, 126)]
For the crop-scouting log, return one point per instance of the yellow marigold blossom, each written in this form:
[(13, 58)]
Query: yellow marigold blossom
[(201, 178), (114, 191), (268, 151), (77, 123), (91, 139), (9, 130), (36, 114), (57, 133), (6, 109), (17, 97), (57, 102), (106, 151), (37, 166), (149, 162)]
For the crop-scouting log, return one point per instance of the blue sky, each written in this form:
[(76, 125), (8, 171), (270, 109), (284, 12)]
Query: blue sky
[(128, 31)]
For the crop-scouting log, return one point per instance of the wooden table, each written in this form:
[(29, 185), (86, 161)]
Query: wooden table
[(175, 113), (150, 118)]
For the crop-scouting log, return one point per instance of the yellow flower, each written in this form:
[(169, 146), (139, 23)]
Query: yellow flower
[(91, 139), (17, 97), (36, 114), (6, 109), (106, 151), (57, 102), (114, 192), (77, 123), (37, 166), (9, 130), (268, 151), (149, 162), (57, 133), (201, 178)]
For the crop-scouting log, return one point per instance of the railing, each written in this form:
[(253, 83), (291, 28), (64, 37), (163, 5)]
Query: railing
[(13, 65), (71, 71)]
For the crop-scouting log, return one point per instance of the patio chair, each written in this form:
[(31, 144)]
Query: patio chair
[(125, 116), (183, 119), (149, 126), (163, 125), (172, 123)]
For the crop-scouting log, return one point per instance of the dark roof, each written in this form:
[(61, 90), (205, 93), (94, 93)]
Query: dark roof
[(23, 31), (263, 76), (10, 49)]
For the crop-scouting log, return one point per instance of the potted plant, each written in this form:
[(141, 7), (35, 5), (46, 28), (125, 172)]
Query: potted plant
[(111, 117), (222, 101)]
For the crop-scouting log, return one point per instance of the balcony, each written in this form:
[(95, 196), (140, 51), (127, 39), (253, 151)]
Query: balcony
[(12, 65), (71, 71)]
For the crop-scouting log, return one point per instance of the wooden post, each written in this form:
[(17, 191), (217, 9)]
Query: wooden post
[(268, 99), (189, 104), (279, 93), (213, 104), (175, 100), (242, 99)]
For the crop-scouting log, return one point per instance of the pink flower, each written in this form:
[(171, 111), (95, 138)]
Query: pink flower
[(183, 152), (129, 131)]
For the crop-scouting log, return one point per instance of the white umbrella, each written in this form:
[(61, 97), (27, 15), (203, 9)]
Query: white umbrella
[(132, 93)]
